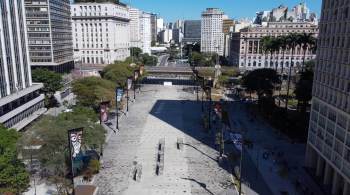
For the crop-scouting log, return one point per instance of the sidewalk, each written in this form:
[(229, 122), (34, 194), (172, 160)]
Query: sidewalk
[(278, 161)]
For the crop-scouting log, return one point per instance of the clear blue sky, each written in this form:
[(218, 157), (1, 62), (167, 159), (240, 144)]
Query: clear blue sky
[(171, 10)]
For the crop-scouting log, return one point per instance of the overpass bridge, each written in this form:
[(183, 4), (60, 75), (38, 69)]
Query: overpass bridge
[(161, 70)]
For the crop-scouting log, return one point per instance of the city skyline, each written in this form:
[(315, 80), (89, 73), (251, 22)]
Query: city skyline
[(181, 9)]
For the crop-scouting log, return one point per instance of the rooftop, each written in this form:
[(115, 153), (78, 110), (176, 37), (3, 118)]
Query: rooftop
[(100, 1)]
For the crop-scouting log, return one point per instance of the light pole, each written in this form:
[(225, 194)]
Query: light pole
[(135, 78)]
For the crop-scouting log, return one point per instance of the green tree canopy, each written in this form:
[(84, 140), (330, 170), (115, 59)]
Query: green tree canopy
[(51, 133), (303, 90), (52, 81), (91, 91), (262, 81), (13, 176), (135, 52)]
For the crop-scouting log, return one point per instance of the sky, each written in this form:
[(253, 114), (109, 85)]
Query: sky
[(172, 10)]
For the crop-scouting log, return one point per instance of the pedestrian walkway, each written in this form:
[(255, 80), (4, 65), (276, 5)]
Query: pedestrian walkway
[(135, 163), (279, 162)]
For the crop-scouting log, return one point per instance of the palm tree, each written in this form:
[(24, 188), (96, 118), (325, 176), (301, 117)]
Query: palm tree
[(265, 43), (307, 41), (292, 42), (283, 45), (275, 48)]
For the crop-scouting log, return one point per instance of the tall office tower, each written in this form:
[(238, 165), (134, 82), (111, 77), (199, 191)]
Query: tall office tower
[(50, 34), (20, 100), (328, 146), (100, 31), (227, 29), (135, 26), (145, 32), (212, 37), (192, 31), (154, 27)]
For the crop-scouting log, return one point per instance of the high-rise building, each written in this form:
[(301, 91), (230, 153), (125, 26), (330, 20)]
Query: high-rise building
[(145, 32), (177, 35), (49, 34), (166, 36), (299, 13), (179, 24), (160, 24), (227, 29), (20, 100), (192, 31), (135, 26), (154, 27), (246, 51), (328, 146), (212, 37), (101, 31)]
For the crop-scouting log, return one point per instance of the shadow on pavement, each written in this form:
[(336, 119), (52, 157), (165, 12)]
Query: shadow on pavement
[(203, 185)]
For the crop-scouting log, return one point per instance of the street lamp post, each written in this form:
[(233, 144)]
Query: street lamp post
[(135, 78)]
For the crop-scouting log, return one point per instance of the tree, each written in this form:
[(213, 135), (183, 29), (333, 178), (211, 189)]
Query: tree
[(90, 91), (52, 81), (307, 41), (283, 45), (197, 59), (51, 134), (148, 60), (13, 176), (135, 52), (266, 47), (261, 81), (303, 90), (292, 41)]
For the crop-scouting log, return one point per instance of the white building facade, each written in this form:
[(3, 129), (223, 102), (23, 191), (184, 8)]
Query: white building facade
[(146, 32), (328, 146), (101, 32), (135, 26), (20, 100), (212, 36), (246, 51)]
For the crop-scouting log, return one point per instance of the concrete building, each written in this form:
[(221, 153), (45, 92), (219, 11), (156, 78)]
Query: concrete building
[(145, 32), (160, 24), (328, 146), (166, 36), (240, 24), (50, 34), (154, 32), (299, 13), (227, 29), (135, 27), (212, 37), (20, 100), (192, 31), (101, 31), (177, 35), (246, 50)]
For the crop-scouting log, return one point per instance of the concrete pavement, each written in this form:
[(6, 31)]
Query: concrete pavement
[(134, 163)]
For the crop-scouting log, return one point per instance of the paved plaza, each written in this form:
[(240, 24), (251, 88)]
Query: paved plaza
[(144, 157)]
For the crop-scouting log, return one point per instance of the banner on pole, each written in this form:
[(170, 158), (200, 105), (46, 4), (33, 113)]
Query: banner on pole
[(75, 141), (104, 107), (119, 94), (129, 83)]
